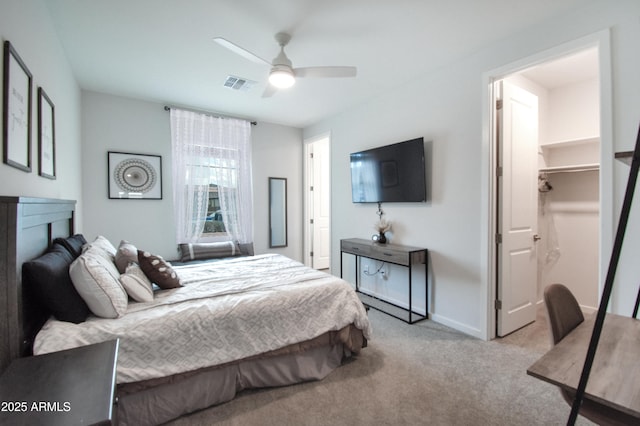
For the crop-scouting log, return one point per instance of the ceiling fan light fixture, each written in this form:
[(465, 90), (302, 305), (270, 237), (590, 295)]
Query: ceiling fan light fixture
[(281, 77)]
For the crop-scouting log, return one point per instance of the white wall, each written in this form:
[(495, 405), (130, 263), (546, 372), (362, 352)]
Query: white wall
[(573, 111), (112, 123), (277, 152), (574, 206), (436, 107), (446, 106), (26, 24)]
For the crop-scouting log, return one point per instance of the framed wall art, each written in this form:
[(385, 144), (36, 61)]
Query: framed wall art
[(134, 176), (16, 104), (46, 136)]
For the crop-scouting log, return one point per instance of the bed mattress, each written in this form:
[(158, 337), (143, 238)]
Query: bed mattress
[(225, 311)]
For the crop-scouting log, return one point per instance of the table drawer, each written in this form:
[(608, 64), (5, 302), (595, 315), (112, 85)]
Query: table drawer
[(357, 248), (387, 254)]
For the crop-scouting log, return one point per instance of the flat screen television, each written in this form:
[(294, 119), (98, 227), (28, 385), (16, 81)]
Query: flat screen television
[(389, 174)]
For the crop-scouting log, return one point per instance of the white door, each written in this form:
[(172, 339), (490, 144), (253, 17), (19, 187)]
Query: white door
[(320, 208), (518, 209)]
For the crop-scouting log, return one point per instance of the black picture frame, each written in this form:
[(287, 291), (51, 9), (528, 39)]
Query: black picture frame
[(16, 103), (46, 136), (134, 176)]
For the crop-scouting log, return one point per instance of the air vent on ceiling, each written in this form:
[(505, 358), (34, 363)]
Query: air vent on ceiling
[(238, 83)]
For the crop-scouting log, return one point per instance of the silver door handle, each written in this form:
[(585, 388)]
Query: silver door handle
[(536, 237)]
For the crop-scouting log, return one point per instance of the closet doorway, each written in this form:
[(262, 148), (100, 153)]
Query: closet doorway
[(547, 185)]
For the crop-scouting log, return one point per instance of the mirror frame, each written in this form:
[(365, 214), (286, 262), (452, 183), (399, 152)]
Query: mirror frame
[(278, 217)]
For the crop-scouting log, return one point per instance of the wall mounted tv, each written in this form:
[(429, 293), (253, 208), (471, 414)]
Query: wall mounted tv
[(389, 174)]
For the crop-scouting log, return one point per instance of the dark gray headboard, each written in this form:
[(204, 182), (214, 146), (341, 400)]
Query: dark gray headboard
[(27, 228)]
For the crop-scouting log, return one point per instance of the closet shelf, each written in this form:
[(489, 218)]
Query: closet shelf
[(569, 142), (625, 157), (575, 155), (571, 168)]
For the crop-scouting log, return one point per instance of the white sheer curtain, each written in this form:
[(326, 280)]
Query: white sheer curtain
[(211, 150)]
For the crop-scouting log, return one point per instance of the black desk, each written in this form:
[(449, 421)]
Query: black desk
[(71, 387)]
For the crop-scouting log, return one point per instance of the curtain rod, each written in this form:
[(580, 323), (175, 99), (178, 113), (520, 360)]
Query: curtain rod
[(216, 115)]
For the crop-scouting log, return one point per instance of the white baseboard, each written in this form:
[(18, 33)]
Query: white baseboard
[(463, 328)]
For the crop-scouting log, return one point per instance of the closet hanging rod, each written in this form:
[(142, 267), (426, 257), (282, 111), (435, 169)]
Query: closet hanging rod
[(570, 169), (212, 114)]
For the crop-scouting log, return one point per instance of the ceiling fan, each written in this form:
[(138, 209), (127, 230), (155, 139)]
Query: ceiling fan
[(282, 74)]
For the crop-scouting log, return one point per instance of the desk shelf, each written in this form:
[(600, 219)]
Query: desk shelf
[(390, 253)]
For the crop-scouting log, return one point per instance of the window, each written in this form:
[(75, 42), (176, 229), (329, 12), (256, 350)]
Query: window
[(211, 178), (223, 179), (213, 223)]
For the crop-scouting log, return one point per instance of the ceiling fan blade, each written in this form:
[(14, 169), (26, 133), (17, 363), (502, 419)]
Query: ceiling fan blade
[(240, 51), (324, 72), (269, 91)]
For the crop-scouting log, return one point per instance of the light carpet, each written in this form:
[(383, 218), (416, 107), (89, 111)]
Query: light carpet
[(424, 373)]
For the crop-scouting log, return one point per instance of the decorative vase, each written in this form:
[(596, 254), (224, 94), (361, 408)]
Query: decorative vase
[(381, 238)]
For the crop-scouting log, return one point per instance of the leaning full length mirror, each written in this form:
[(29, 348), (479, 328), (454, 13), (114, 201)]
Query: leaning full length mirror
[(277, 212)]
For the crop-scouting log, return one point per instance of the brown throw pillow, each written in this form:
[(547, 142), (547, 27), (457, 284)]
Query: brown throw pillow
[(158, 270)]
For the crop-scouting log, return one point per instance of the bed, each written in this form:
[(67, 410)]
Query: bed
[(233, 324)]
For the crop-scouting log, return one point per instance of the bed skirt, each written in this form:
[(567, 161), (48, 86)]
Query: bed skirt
[(158, 401)]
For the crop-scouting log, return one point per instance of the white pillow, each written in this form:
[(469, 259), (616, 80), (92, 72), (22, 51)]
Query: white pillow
[(136, 283), (96, 280), (103, 244)]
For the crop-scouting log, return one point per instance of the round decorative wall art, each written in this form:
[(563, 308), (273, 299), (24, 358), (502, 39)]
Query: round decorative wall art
[(135, 176)]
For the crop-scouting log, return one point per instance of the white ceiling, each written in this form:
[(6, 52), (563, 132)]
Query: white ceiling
[(162, 50), (574, 68)]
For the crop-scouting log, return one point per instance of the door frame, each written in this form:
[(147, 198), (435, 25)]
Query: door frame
[(307, 229), (488, 251)]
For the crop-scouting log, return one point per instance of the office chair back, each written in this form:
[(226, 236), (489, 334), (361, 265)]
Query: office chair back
[(563, 310)]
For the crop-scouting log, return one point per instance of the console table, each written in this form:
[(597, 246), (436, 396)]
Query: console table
[(391, 253)]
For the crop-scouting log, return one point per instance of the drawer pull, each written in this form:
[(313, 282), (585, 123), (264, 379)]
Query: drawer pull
[(387, 254)]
